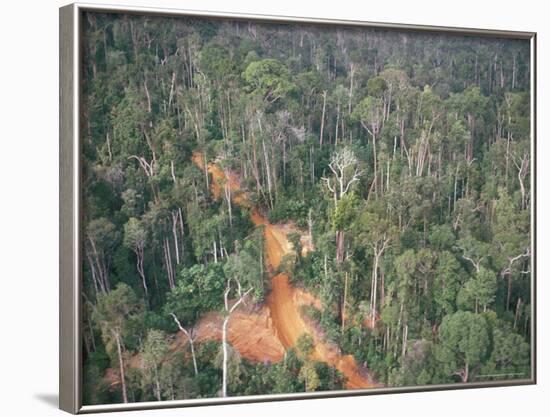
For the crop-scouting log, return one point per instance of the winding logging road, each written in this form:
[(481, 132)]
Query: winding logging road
[(284, 301)]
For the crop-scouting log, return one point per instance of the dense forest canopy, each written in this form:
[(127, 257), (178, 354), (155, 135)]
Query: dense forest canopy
[(397, 165)]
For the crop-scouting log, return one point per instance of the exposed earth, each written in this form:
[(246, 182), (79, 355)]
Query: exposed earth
[(264, 334)]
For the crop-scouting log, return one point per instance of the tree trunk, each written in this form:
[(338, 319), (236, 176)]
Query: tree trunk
[(351, 73), (374, 289), (215, 251), (175, 234), (344, 302), (225, 356), (157, 385), (375, 162), (324, 94), (340, 246), (227, 194), (465, 373), (141, 271), (121, 367), (405, 339), (190, 339)]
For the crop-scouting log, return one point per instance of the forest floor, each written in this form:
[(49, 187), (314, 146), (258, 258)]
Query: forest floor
[(264, 334)]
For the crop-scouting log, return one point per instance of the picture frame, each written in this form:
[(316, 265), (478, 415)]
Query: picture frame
[(72, 205)]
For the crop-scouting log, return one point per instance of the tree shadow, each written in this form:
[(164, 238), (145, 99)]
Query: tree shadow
[(49, 399)]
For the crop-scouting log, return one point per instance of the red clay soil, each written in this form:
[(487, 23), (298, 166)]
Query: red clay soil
[(265, 334), (251, 333)]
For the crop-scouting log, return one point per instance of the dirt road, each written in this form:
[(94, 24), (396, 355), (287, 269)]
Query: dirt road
[(284, 301)]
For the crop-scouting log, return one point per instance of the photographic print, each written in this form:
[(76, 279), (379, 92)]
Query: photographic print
[(274, 208)]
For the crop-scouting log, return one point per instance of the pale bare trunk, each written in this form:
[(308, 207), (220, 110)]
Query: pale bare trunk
[(225, 356), (121, 367), (344, 303), (215, 251), (351, 72), (324, 94), (175, 217), (188, 333), (405, 339), (375, 289), (139, 264), (227, 193), (169, 267)]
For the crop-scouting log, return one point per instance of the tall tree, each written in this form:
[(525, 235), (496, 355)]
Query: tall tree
[(115, 313), (345, 172), (228, 310), (464, 343)]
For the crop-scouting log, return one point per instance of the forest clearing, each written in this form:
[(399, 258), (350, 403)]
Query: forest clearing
[(284, 301)]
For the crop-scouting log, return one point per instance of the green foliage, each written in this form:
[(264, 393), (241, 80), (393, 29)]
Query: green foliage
[(309, 376), (431, 238), (464, 344), (305, 345), (247, 265), (286, 208), (479, 291), (269, 78), (346, 212), (153, 352), (117, 312), (198, 289), (510, 357)]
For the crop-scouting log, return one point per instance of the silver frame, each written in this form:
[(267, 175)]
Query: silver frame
[(70, 344)]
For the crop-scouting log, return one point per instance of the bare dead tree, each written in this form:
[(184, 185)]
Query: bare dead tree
[(149, 168), (378, 247), (324, 95), (344, 166), (522, 164), (98, 267), (191, 338), (228, 311), (116, 335), (135, 239), (507, 272), (175, 219), (474, 262)]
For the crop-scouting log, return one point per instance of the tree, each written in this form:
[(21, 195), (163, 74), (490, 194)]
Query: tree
[(346, 172), (305, 345), (198, 289), (114, 314), (376, 232), (247, 264), (153, 353), (228, 310), (309, 376), (135, 237), (101, 239), (447, 284), (479, 290), (463, 344), (511, 237), (471, 105), (190, 334), (370, 113), (510, 357), (269, 78)]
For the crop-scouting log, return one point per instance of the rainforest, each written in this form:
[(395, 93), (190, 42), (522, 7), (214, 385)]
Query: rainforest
[(274, 208)]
